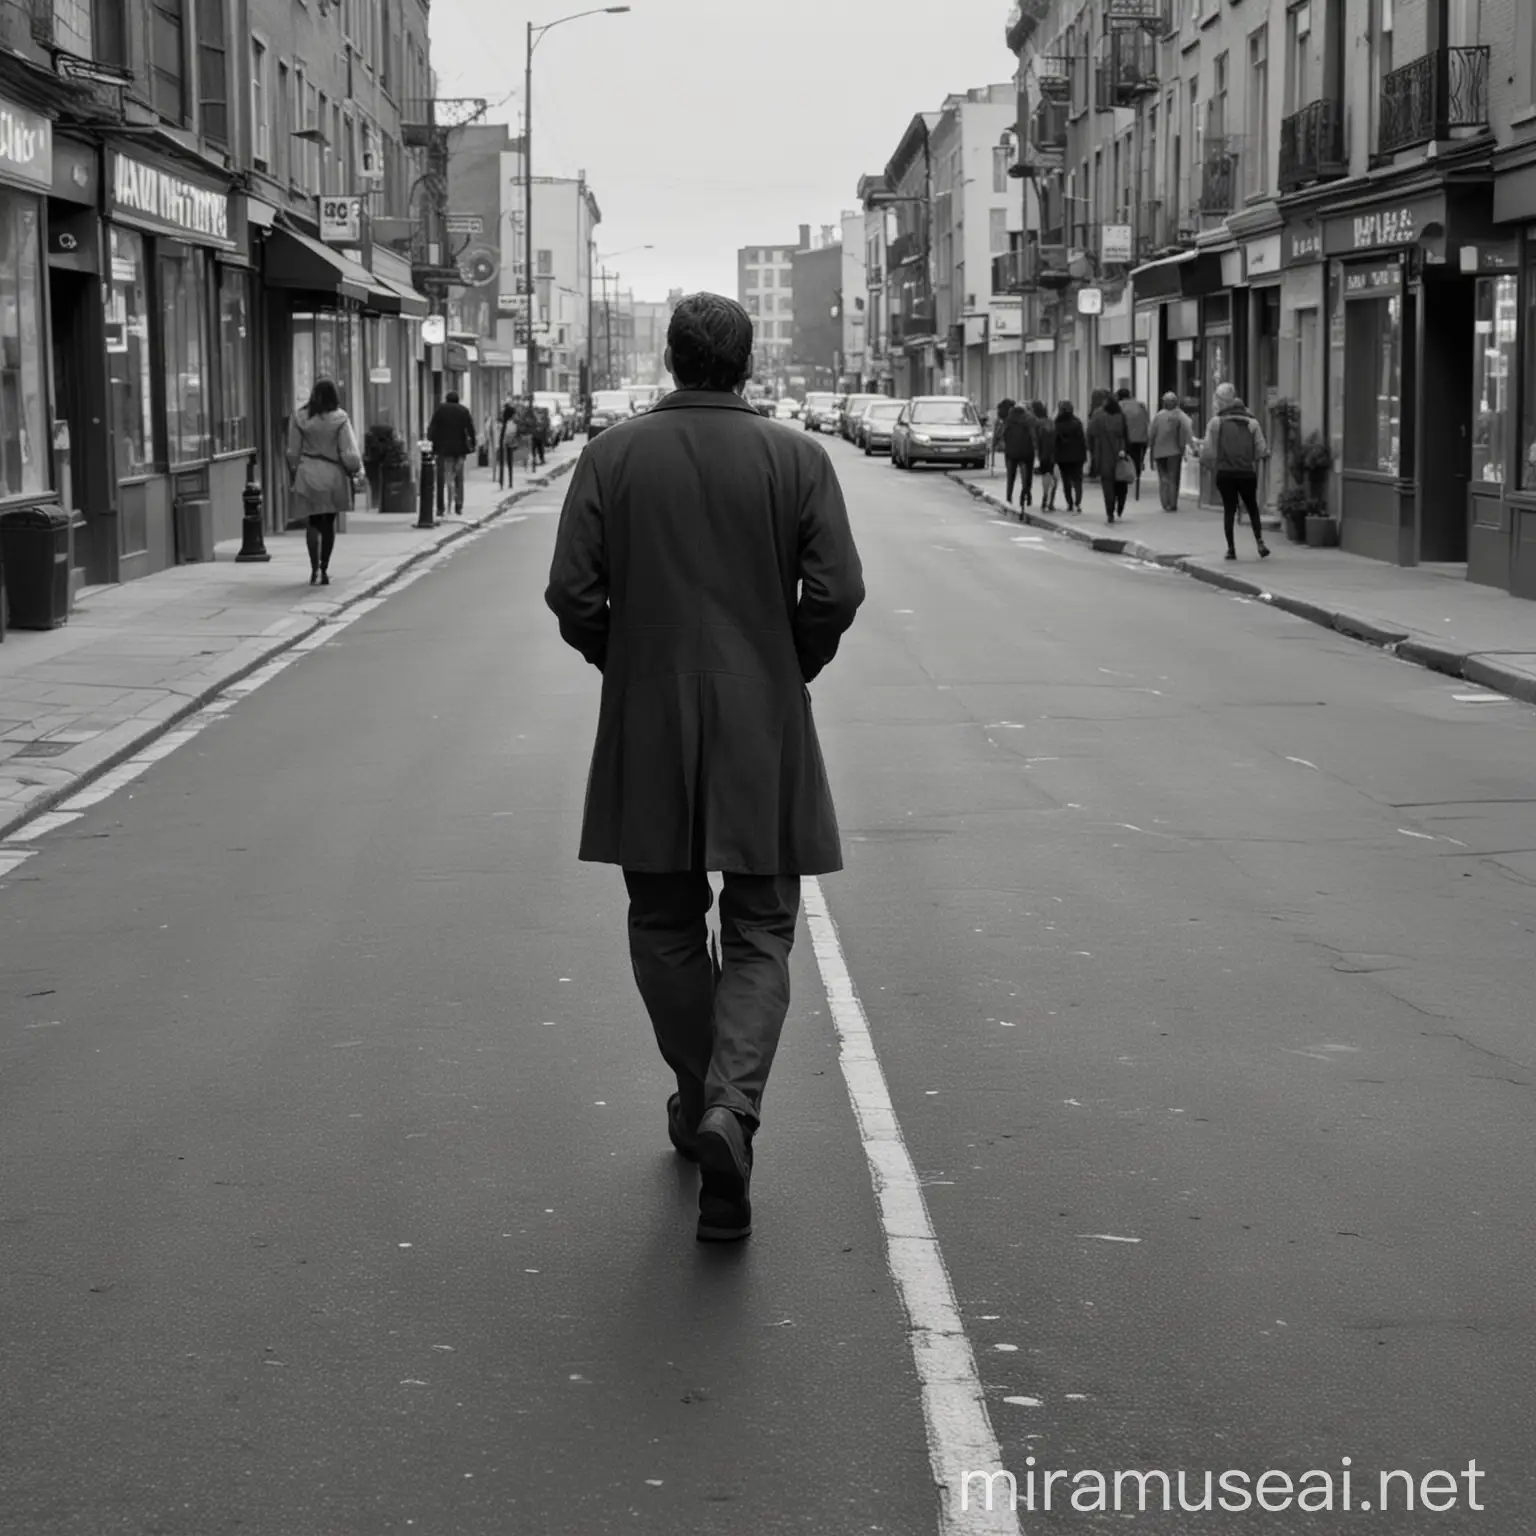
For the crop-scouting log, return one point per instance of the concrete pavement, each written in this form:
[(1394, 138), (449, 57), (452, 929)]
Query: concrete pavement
[(339, 1195), (1429, 615), (133, 659)]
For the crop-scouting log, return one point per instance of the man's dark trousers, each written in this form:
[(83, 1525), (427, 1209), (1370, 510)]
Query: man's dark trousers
[(720, 1042)]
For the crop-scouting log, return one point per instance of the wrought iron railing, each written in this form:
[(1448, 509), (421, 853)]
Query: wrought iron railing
[(1425, 99), (1053, 74), (1127, 68), (901, 250), (1014, 271), (1218, 179), (1312, 145), (1049, 133)]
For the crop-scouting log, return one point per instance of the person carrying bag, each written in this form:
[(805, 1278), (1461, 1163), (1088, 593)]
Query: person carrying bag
[(323, 457)]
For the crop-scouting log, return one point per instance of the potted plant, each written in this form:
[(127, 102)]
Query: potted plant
[(1321, 530), (1314, 463), (388, 467), (1295, 507)]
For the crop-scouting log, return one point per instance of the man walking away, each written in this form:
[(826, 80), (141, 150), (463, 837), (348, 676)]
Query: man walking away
[(1045, 455), (1234, 446), (1171, 434), (704, 521), (531, 429), (1137, 430), (1019, 451), (506, 443), (1071, 454), (452, 434)]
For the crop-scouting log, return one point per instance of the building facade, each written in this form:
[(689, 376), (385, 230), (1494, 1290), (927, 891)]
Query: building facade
[(765, 289), (907, 194), (817, 350), (853, 298), (1330, 204), (876, 219)]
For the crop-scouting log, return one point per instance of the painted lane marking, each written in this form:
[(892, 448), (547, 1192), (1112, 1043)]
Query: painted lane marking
[(1480, 698), (1301, 762), (960, 1436)]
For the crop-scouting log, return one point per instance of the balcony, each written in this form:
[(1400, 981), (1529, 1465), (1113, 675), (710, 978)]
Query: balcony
[(1048, 130), (1127, 69), (902, 249), (915, 323), (1312, 146), (1016, 271), (1423, 101), (1022, 21), (1219, 181), (1053, 74)]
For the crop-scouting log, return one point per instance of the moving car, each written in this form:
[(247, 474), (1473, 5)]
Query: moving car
[(852, 411), (609, 406), (562, 424), (817, 403), (876, 425), (938, 429)]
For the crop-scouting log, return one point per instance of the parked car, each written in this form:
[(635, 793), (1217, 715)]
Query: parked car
[(816, 405), (830, 418), (609, 406), (786, 410), (876, 424), (644, 396), (562, 424), (852, 411), (938, 429)]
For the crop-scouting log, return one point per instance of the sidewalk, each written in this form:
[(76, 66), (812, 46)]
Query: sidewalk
[(134, 659), (1426, 614)]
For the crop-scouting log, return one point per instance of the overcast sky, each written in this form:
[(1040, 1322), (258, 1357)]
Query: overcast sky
[(704, 125)]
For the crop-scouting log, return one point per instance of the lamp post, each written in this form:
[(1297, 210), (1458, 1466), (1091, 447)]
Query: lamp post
[(535, 34)]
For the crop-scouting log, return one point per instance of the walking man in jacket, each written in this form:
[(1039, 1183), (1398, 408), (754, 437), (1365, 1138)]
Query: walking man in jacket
[(1137, 431), (1234, 447), (1019, 452), (704, 564), (452, 434), (1171, 434)]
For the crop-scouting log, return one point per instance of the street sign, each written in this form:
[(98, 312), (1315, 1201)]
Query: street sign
[(1090, 301), (464, 224), (434, 330), (1117, 242), (341, 220), (512, 304)]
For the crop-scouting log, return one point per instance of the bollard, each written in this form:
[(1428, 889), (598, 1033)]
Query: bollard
[(253, 547), (428, 486)]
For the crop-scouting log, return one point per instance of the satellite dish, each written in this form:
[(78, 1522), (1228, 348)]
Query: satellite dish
[(479, 266)]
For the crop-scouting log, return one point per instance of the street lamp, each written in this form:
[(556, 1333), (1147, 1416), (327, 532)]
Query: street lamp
[(535, 35)]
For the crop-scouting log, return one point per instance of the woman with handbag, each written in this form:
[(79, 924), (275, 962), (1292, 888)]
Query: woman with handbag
[(324, 460), (1106, 446)]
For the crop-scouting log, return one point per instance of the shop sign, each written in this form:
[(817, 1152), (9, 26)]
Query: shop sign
[(1263, 256), (1378, 282), (26, 146), (1090, 301), (434, 330), (341, 220), (169, 202), (379, 376), (1377, 227), (512, 304), (1300, 244), (1007, 319), (1116, 243)]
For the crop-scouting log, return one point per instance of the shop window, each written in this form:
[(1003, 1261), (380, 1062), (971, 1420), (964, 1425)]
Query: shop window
[(24, 448), (184, 308), (237, 428), (1493, 367), (1528, 419), (128, 356), (1373, 384)]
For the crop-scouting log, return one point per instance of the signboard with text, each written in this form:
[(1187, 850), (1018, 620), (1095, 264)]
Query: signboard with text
[(168, 201), (1396, 224), (1382, 280), (341, 220), (26, 146), (1116, 243)]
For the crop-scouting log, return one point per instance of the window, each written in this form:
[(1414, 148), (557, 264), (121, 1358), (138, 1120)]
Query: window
[(1216, 109), (1298, 50), (24, 447), (128, 360), (1258, 111), (298, 150), (311, 122), (1493, 372), (72, 27), (1380, 45), (237, 427), (184, 310), (997, 231), (786, 304), (1002, 158), (544, 263), (212, 71), (261, 107), (167, 60), (1528, 423), (944, 413), (750, 303), (321, 120), (767, 277), (282, 111), (1373, 380)]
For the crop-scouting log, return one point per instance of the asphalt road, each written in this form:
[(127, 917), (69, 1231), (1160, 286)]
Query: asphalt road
[(337, 1199)]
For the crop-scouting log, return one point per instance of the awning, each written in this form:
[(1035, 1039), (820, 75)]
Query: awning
[(1185, 276), (489, 358), (296, 261), (392, 298)]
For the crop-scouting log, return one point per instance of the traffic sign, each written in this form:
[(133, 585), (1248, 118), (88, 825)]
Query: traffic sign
[(464, 224), (512, 304)]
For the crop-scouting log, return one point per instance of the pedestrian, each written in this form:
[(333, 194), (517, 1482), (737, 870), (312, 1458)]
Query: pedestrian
[(682, 544), (1106, 446), (324, 461), (1071, 454), (452, 434), (1045, 455), (1019, 453), (534, 432), (1000, 421), (1234, 447), (506, 443), (1137, 431), (1170, 435)]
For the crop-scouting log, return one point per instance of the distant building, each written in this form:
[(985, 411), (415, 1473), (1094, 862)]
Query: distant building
[(817, 342), (765, 288)]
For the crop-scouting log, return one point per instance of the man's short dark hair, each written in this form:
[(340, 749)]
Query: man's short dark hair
[(711, 341), (451, 398), (1122, 393)]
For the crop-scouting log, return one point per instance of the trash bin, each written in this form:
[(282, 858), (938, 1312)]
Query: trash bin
[(34, 552), (194, 530)]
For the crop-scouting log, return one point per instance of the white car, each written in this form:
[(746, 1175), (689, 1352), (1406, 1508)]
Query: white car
[(786, 410), (562, 425), (609, 406)]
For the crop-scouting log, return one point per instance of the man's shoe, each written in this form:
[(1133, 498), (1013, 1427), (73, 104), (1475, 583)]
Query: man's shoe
[(725, 1161), (684, 1140)]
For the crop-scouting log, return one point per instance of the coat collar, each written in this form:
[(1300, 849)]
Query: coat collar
[(713, 399)]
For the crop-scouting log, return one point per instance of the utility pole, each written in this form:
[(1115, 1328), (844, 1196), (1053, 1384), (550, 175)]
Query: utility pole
[(533, 346)]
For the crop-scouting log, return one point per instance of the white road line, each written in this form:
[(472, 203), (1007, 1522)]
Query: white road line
[(960, 1437)]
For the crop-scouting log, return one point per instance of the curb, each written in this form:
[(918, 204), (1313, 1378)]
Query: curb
[(49, 798), (1478, 667)]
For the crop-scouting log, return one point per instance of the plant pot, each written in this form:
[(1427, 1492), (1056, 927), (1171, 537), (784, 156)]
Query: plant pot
[(1295, 527), (1322, 532), (399, 492)]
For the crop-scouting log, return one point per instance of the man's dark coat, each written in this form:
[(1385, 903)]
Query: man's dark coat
[(452, 430), (684, 537)]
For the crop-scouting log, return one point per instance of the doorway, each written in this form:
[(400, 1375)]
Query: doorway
[(80, 459)]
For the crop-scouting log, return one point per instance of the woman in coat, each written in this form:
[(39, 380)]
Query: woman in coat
[(1106, 442), (1045, 456), (323, 458), (1071, 454), (1019, 450)]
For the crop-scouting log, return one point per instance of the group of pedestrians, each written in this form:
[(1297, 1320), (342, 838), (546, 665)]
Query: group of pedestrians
[(1114, 444)]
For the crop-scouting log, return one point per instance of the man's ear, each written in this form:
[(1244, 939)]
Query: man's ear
[(666, 362)]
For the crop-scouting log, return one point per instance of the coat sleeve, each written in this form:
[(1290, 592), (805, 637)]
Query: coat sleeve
[(578, 575), (1208, 447), (295, 445), (1260, 442), (831, 574)]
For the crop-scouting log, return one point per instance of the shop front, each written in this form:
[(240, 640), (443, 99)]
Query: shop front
[(27, 468), (1303, 371), (177, 295), (1406, 364)]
